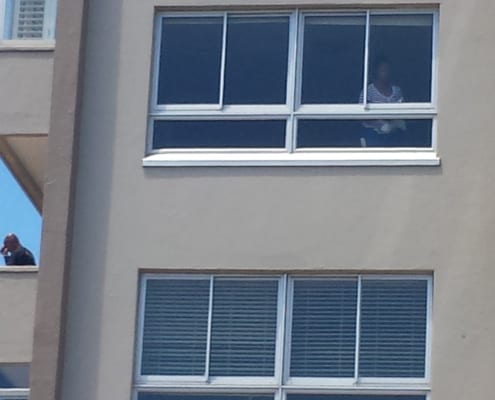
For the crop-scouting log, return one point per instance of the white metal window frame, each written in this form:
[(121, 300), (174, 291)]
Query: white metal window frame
[(47, 42), (281, 383), (14, 394), (292, 111)]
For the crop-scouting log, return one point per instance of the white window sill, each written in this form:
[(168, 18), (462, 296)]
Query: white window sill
[(7, 269), (27, 45), (344, 158)]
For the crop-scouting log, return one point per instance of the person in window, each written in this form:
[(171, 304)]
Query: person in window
[(383, 133), (14, 253)]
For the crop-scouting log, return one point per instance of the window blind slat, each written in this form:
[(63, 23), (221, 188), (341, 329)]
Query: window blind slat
[(244, 327), (323, 328), (29, 19), (393, 328), (175, 327)]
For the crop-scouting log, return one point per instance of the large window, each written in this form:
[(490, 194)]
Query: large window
[(27, 20), (328, 338), (14, 381), (294, 87)]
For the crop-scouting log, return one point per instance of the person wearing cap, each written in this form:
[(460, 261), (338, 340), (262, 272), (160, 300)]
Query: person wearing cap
[(14, 253)]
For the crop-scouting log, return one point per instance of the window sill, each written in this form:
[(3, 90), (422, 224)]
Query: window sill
[(18, 269), (344, 158), (27, 45)]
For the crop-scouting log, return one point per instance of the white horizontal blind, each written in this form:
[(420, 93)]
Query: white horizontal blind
[(323, 328), (175, 327), (354, 397), (393, 328), (29, 19), (244, 326)]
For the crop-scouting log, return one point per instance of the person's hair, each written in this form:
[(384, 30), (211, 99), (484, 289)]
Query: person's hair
[(378, 61)]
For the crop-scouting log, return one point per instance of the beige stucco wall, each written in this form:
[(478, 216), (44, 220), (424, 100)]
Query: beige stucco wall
[(25, 91), (17, 306), (439, 219)]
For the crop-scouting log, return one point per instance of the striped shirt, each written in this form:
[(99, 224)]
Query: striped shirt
[(375, 96)]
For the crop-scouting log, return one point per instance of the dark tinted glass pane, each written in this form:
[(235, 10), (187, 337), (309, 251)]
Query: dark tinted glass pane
[(175, 327), (323, 328), (393, 328), (14, 376), (190, 59), (244, 327), (354, 397), (200, 396), (358, 133), (407, 68), (333, 60), (256, 65), (219, 134)]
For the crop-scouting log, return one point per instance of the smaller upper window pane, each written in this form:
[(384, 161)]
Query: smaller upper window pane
[(364, 133), (219, 134), (190, 60), (14, 376), (333, 59), (399, 73), (256, 60)]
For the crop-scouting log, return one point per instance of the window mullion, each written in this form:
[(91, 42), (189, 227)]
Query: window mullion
[(358, 331), (208, 337), (223, 61), (281, 321), (292, 80), (366, 60)]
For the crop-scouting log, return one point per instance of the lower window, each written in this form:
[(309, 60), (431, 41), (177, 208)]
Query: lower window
[(14, 381), (218, 337)]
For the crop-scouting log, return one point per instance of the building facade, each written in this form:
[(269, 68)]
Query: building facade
[(229, 212)]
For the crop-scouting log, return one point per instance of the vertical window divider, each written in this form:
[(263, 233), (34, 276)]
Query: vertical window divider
[(223, 61), (358, 330), (281, 320), (366, 59), (208, 335), (288, 329), (292, 80)]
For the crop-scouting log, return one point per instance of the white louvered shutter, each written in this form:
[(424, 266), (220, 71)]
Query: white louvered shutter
[(29, 17), (393, 328), (244, 327), (323, 328), (175, 327)]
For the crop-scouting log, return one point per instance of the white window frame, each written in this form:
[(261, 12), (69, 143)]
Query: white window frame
[(47, 42), (14, 394), (292, 110), (282, 384)]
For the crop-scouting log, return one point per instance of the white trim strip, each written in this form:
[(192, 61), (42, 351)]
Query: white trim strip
[(344, 158)]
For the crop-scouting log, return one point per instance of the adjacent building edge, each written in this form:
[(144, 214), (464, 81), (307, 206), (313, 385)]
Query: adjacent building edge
[(48, 346)]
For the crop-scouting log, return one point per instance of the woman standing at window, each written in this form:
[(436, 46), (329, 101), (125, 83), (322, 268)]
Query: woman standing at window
[(383, 133)]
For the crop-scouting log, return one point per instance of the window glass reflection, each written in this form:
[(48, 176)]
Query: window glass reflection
[(400, 58), (14, 376), (256, 60), (359, 133), (190, 59), (333, 59)]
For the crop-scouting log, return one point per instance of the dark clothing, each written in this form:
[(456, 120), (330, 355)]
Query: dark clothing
[(21, 256)]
